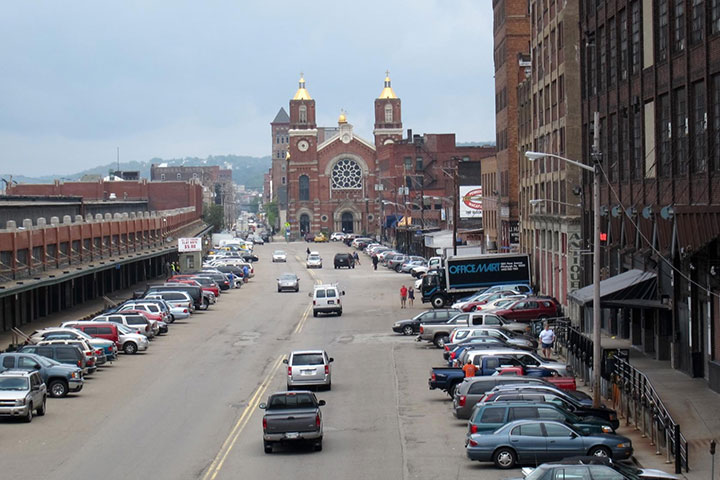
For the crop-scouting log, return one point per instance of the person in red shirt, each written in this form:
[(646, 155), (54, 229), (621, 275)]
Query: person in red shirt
[(469, 369), (403, 296)]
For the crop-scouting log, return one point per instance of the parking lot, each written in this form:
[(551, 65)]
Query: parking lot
[(187, 408)]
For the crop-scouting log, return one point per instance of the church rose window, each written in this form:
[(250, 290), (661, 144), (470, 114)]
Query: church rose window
[(346, 175)]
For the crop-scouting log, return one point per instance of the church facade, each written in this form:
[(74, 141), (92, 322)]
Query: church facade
[(331, 175)]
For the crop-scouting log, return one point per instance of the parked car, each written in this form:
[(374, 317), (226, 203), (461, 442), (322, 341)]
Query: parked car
[(279, 256), (288, 281), (513, 339), (60, 379), (309, 368), (490, 297), (292, 417), (200, 301), (107, 348), (106, 331), (395, 262), (320, 238), (337, 237), (314, 260), (412, 263), (179, 304), (434, 316), (594, 468), (134, 321), (471, 390), (526, 359), (128, 340), (440, 333), (343, 260), (526, 442), (565, 383), (93, 356), (21, 394), (62, 353), (530, 308), (326, 299)]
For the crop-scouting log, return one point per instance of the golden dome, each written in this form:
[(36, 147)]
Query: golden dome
[(302, 93), (342, 118), (387, 89)]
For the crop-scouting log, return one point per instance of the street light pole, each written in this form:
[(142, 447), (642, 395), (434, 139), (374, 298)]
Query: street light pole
[(595, 169)]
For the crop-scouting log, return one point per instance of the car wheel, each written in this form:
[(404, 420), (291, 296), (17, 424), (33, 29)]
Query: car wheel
[(398, 268), (451, 390), (130, 348), (600, 451), (329, 386), (439, 341), (315, 313), (28, 417), (339, 313), (318, 445), (407, 330), (58, 388), (297, 289), (268, 447), (279, 289), (42, 409), (438, 301), (504, 458)]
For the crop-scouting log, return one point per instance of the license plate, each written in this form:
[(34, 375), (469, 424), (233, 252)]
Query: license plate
[(331, 302), (292, 435), (307, 372)]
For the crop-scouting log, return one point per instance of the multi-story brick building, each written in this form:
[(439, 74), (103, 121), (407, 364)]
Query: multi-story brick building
[(280, 141), (549, 121), (652, 71), (511, 29)]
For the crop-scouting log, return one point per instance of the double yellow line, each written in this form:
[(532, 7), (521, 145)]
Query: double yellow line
[(303, 319), (229, 443)]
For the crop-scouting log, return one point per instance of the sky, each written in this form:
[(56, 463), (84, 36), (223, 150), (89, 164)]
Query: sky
[(177, 78)]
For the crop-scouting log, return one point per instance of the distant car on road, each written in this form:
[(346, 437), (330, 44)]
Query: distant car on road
[(344, 260), (314, 260), (288, 281), (326, 299), (292, 417), (279, 256), (309, 368)]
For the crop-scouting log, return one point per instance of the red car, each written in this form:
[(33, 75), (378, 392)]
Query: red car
[(195, 282), (530, 308)]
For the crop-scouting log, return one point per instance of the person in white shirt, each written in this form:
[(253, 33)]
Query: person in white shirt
[(547, 338)]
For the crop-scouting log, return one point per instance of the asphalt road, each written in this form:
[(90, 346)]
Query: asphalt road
[(187, 408)]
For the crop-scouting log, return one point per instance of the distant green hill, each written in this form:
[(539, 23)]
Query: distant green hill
[(247, 171)]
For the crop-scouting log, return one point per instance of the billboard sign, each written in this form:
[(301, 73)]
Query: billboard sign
[(193, 244), (470, 201), (487, 270)]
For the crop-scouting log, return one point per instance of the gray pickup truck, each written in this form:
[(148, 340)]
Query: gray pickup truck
[(60, 379), (292, 417), (438, 332)]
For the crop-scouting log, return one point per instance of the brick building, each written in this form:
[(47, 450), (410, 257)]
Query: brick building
[(511, 29), (652, 71), (279, 128), (549, 121)]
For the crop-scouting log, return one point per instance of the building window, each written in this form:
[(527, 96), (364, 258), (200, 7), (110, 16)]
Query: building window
[(302, 113), (613, 141), (304, 188), (283, 180), (388, 113), (715, 122), (679, 35), (613, 53), (681, 131), (162, 177), (195, 175), (665, 135), (715, 15), (698, 22), (699, 158), (346, 175), (179, 176), (637, 146), (662, 31), (408, 163), (418, 163), (635, 45), (623, 46), (621, 140), (602, 77)]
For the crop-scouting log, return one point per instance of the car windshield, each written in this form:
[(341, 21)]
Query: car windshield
[(278, 252), (314, 257), (307, 359), (291, 400), (287, 277), (14, 383)]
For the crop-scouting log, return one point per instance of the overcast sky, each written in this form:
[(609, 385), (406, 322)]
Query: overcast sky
[(173, 78)]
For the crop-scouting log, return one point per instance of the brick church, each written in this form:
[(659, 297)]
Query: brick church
[(329, 175)]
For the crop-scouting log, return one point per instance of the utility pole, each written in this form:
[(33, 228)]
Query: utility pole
[(597, 349), (456, 206)]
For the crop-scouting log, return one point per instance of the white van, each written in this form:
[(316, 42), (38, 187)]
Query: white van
[(326, 299)]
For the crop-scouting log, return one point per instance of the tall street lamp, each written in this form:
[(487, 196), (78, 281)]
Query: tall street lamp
[(597, 351)]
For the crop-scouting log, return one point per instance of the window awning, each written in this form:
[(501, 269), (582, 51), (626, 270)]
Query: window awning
[(628, 286)]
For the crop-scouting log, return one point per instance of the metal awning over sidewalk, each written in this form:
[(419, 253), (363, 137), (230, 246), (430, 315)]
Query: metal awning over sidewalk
[(627, 288)]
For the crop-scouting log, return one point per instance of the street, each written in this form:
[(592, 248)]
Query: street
[(187, 408)]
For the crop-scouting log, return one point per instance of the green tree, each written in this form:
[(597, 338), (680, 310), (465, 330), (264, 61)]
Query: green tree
[(214, 215), (271, 210)]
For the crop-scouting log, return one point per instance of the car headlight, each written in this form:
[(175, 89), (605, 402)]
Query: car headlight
[(74, 375), (396, 325), (19, 403), (624, 445), (606, 429)]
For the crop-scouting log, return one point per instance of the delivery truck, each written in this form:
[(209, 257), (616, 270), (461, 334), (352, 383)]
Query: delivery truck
[(457, 277)]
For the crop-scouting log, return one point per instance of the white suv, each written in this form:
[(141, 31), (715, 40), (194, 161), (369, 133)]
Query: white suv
[(22, 393), (326, 299)]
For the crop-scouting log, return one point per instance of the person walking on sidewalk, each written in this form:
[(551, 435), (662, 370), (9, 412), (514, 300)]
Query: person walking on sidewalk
[(547, 338), (411, 296), (403, 296), (375, 261)]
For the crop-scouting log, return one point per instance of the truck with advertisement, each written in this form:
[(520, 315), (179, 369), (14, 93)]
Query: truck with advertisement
[(457, 277)]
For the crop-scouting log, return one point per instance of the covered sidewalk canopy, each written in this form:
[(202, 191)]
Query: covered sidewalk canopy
[(632, 288)]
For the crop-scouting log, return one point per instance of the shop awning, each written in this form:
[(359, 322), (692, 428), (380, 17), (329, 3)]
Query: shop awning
[(633, 285)]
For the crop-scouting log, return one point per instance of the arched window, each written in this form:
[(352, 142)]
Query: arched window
[(304, 188), (302, 111), (304, 223), (388, 113), (346, 221)]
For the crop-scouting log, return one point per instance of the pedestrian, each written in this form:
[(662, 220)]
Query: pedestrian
[(375, 261), (246, 271), (547, 338), (403, 296), (356, 258), (308, 251), (411, 296), (469, 369), (168, 270)]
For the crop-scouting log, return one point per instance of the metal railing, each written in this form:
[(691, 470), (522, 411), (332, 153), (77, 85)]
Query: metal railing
[(635, 398)]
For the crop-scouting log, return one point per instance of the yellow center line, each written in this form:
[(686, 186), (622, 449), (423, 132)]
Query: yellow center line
[(229, 442), (304, 317)]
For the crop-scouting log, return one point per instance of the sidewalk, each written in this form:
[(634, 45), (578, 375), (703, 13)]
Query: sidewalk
[(689, 401)]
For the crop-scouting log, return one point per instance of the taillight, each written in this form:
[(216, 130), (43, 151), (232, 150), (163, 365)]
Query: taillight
[(422, 329), (264, 423), (98, 352), (447, 349), (79, 363), (473, 429), (327, 369), (452, 355), (290, 371), (89, 354), (185, 310), (461, 402), (317, 420), (314, 302), (472, 443), (432, 376)]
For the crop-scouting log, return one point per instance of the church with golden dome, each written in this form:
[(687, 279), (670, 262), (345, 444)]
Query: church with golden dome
[(325, 179)]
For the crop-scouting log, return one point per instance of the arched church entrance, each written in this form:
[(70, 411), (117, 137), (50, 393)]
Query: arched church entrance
[(347, 222), (304, 224)]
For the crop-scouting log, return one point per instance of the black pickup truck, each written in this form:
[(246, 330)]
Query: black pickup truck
[(292, 417)]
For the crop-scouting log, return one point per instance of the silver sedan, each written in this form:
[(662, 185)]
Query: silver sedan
[(288, 281), (279, 256)]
